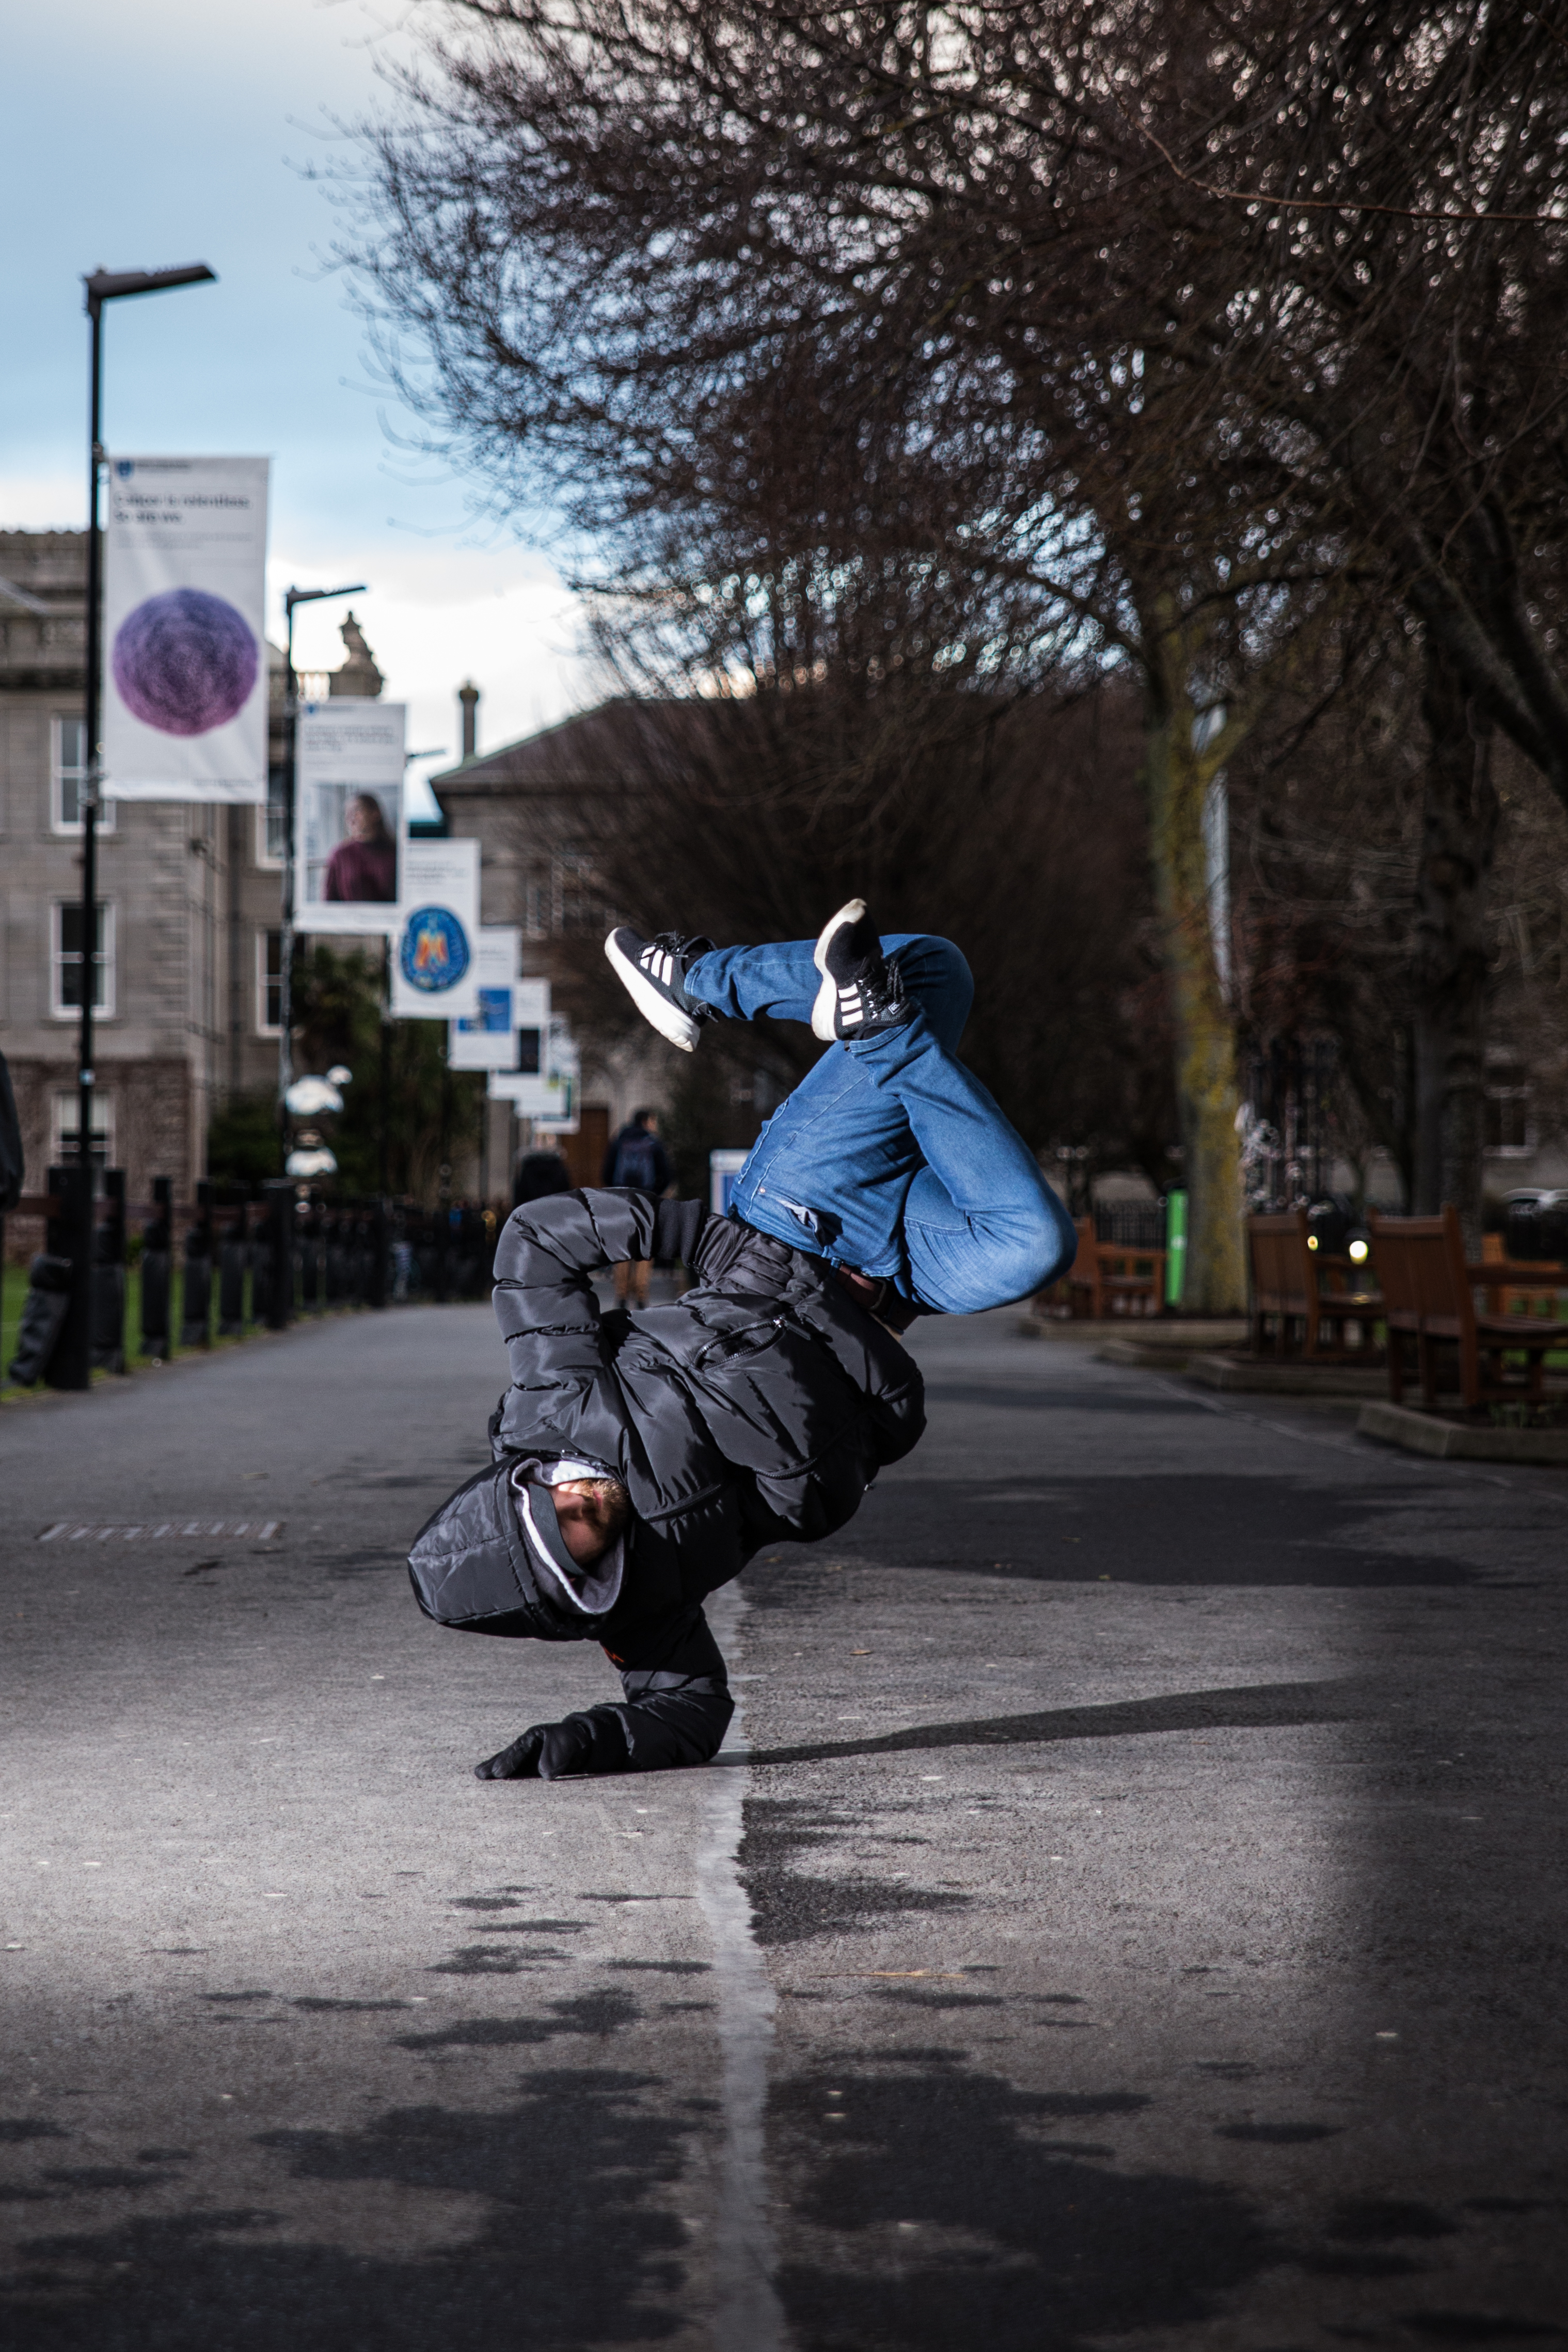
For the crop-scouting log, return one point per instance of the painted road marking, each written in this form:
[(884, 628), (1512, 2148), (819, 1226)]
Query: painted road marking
[(68, 1531)]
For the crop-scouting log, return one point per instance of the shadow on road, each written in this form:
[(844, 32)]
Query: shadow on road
[(569, 2242), (942, 2208), (1212, 1528), (1252, 1706)]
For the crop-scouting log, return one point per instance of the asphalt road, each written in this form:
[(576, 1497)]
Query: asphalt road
[(1131, 1914)]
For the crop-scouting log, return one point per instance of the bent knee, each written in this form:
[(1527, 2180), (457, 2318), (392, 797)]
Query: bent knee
[(937, 975), (1035, 1260), (1019, 1256)]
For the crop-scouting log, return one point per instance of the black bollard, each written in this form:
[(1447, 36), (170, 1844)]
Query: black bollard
[(196, 1306), (277, 1247), (155, 1261), (377, 1271), (233, 1253), (108, 1278), (309, 1229), (70, 1237)]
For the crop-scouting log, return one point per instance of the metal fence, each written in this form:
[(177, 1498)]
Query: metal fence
[(114, 1279)]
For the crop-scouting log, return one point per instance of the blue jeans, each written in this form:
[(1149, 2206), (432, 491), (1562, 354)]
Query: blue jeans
[(889, 1156)]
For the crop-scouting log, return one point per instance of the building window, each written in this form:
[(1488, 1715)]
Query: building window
[(271, 822), (65, 1126), (269, 983), (576, 905), (1508, 1125), (68, 775), (66, 960)]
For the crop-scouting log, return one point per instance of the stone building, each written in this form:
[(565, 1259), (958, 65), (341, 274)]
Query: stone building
[(537, 807), (185, 956)]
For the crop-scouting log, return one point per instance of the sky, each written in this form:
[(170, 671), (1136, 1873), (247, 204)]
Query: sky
[(183, 131)]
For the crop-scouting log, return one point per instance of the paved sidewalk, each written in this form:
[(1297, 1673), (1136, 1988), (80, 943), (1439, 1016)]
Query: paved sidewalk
[(1151, 1834)]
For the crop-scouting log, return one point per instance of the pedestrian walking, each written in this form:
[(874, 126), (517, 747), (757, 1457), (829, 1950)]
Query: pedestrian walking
[(637, 1158), (641, 1459)]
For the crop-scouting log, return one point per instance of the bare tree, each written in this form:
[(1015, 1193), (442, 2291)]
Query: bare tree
[(1388, 185), (1015, 828), (643, 256)]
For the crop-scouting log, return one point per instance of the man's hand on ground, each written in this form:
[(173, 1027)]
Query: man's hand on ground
[(521, 1761), (555, 1751)]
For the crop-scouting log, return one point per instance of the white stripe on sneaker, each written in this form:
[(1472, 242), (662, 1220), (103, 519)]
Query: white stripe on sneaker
[(655, 1006)]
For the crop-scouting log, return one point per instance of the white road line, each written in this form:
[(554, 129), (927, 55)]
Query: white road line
[(748, 2316), (142, 1531)]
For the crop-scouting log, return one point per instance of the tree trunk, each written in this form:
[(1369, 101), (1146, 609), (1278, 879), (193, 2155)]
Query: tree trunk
[(1460, 823), (1178, 775)]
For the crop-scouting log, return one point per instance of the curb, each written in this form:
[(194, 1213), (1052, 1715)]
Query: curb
[(1449, 1441), (1163, 1337), (1134, 1358), (1239, 1373)]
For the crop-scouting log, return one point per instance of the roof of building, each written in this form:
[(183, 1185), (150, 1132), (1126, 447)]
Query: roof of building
[(589, 751)]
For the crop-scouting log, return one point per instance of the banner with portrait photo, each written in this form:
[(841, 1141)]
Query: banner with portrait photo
[(349, 818), (487, 1039), (433, 964), (184, 647), (546, 1089)]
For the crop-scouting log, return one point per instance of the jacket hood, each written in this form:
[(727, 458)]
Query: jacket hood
[(472, 1568)]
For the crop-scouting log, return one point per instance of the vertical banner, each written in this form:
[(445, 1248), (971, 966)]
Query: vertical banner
[(433, 974), (521, 1083), (184, 683), (348, 772), (563, 1081), (546, 1090), (488, 1040)]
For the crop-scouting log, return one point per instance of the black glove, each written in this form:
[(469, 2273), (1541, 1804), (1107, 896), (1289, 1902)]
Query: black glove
[(579, 1744)]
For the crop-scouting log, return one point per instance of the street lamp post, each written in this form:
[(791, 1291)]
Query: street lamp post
[(71, 1234), (292, 596), (104, 286)]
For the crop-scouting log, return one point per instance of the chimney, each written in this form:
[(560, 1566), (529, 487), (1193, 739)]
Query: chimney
[(468, 696)]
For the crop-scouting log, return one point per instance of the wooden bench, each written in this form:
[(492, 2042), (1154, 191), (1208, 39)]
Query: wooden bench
[(1293, 1283), (1429, 1291), (1531, 1282), (1108, 1278)]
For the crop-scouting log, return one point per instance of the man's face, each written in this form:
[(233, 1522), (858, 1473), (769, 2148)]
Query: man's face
[(590, 1520)]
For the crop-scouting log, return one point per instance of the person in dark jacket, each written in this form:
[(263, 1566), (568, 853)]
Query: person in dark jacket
[(642, 1459), (539, 1174), (636, 1157)]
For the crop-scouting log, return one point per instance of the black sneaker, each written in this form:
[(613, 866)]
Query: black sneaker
[(652, 972), (862, 992)]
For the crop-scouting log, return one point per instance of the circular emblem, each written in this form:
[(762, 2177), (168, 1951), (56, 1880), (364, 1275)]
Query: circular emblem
[(184, 662), (434, 953)]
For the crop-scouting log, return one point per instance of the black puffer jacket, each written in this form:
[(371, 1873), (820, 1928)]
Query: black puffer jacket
[(759, 1406)]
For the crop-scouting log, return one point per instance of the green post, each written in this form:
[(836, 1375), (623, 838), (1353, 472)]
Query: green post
[(1176, 1247)]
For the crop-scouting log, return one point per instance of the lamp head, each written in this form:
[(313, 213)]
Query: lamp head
[(112, 285)]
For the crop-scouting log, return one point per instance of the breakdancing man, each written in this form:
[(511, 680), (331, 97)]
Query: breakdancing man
[(642, 1459)]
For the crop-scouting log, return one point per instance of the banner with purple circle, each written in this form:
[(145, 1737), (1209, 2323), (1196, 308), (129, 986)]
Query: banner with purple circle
[(185, 670)]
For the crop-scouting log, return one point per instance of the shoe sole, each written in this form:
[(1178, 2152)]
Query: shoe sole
[(826, 1006), (651, 1002)]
